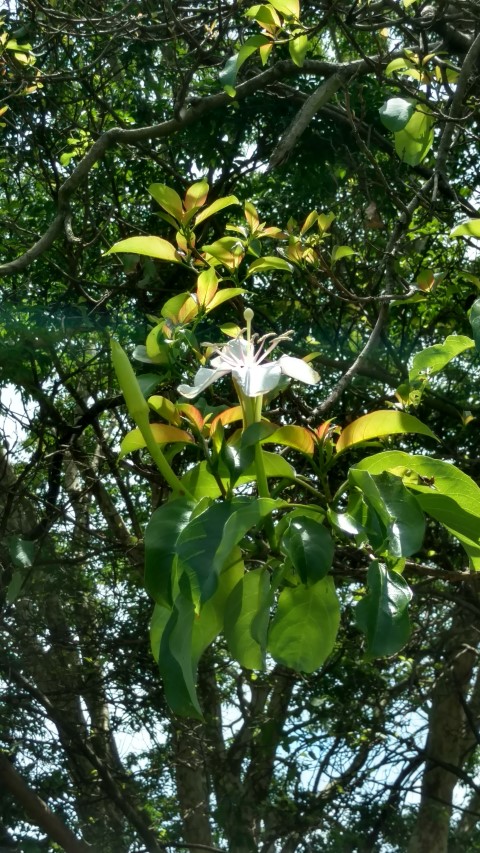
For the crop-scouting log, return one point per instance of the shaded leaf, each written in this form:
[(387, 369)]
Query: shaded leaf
[(247, 601), (309, 546), (382, 615)]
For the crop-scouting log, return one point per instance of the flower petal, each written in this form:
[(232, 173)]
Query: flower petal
[(258, 378), (296, 368), (203, 378)]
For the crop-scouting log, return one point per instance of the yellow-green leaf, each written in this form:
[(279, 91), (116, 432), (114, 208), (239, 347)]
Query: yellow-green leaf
[(153, 247), (168, 199), (162, 433), (377, 424), (215, 207), (469, 228)]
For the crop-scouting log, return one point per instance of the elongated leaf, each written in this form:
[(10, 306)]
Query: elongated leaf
[(269, 262), (287, 8), (297, 48), (395, 113), (224, 295), (197, 546), (175, 660), (469, 228), (297, 437), (474, 317), (442, 491), (196, 195), (303, 631), (377, 424), (154, 247), (228, 75), (382, 614), (413, 143), (162, 433), (215, 207), (210, 620), (247, 602), (309, 546), (168, 199), (161, 536), (247, 515), (340, 252), (398, 510), (432, 359)]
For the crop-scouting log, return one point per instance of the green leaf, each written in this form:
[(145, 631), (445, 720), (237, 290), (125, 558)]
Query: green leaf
[(377, 424), (246, 619), (162, 433), (287, 8), (382, 615), (303, 631), (398, 510), (469, 228), (297, 48), (298, 437), (340, 252), (268, 263), (310, 547), (161, 536), (22, 552), (448, 495), (434, 358), (154, 247), (223, 296), (210, 620), (474, 317), (396, 113), (168, 199), (228, 75), (413, 143), (215, 207), (148, 382), (175, 660)]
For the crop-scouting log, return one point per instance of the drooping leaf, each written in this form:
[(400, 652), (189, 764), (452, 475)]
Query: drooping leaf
[(161, 535), (297, 48), (474, 317), (268, 263), (310, 547), (303, 631), (413, 143), (442, 491), (398, 510), (377, 424), (153, 247), (175, 660), (246, 619), (210, 621), (382, 615)]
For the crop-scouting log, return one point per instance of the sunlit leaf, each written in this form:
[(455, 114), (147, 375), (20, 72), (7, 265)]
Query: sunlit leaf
[(382, 615), (304, 629), (168, 199), (433, 359), (413, 143), (162, 433), (395, 113), (153, 247), (381, 423), (469, 228)]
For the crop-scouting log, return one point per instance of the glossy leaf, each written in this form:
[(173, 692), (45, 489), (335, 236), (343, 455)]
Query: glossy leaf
[(398, 510), (442, 491), (309, 546), (216, 207), (340, 252), (210, 621), (434, 358), (268, 263), (168, 199), (197, 545), (161, 535), (246, 614), (474, 317), (303, 631), (297, 437), (382, 615), (287, 8), (196, 195), (162, 433), (381, 423), (153, 247)]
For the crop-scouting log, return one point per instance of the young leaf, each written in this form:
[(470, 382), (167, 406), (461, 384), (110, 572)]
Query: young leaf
[(153, 247), (268, 263), (215, 207), (168, 199), (162, 433), (303, 631), (377, 424), (382, 615)]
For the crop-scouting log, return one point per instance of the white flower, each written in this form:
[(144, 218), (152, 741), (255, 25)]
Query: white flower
[(248, 367)]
